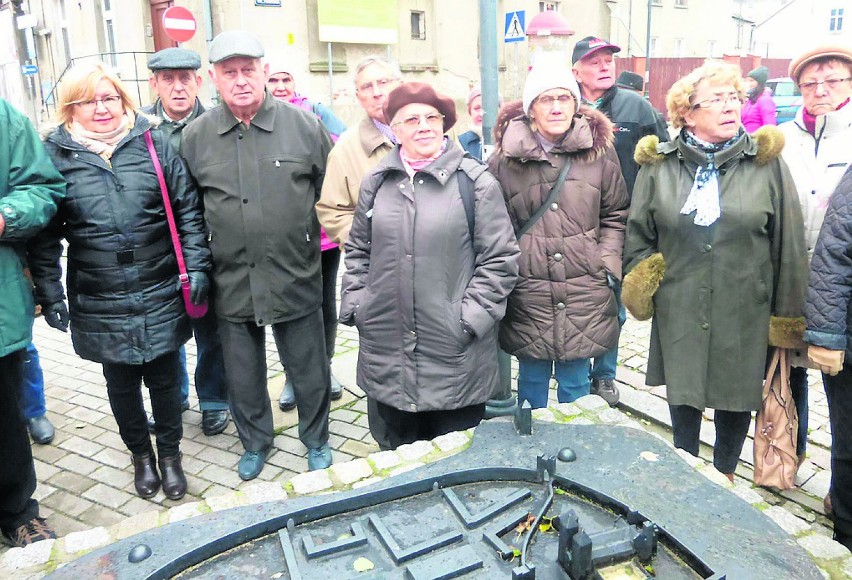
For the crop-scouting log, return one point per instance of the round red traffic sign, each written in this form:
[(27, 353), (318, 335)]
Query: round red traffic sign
[(179, 23)]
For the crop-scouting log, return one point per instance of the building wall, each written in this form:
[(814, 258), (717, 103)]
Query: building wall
[(810, 19)]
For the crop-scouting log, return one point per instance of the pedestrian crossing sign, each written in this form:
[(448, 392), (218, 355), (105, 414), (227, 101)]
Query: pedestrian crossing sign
[(515, 31)]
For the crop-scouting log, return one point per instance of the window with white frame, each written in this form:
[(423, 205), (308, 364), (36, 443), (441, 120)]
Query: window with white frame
[(109, 32), (657, 2), (63, 30), (543, 6), (652, 48), (835, 23), (680, 4), (678, 47), (418, 25), (711, 48)]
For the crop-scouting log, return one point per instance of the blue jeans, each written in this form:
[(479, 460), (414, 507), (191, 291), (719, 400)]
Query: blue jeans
[(534, 377), (603, 366), (32, 386), (210, 382)]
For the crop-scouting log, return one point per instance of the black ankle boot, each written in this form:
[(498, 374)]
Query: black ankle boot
[(174, 481), (145, 476)]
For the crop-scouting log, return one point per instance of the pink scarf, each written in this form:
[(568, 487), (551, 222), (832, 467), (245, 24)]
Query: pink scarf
[(412, 166)]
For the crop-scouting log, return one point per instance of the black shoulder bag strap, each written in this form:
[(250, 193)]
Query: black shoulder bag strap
[(551, 197)]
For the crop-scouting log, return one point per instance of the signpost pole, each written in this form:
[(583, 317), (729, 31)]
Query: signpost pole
[(330, 80)]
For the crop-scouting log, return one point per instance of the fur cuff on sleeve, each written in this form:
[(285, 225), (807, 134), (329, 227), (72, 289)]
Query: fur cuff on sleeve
[(786, 332), (640, 285)]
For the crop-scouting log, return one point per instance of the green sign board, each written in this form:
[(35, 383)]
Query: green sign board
[(358, 21)]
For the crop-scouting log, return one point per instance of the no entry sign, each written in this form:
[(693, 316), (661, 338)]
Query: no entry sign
[(179, 23)]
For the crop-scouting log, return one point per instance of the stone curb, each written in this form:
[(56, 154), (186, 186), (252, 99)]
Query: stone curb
[(41, 558)]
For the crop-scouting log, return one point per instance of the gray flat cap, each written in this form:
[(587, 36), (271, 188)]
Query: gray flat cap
[(173, 59), (234, 43)]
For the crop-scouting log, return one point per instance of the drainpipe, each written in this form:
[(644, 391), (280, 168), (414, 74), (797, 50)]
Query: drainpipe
[(207, 7)]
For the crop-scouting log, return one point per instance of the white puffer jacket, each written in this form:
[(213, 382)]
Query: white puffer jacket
[(818, 163)]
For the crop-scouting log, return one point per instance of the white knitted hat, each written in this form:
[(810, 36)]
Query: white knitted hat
[(544, 78)]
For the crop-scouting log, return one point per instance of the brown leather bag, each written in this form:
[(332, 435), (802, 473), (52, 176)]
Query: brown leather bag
[(776, 427)]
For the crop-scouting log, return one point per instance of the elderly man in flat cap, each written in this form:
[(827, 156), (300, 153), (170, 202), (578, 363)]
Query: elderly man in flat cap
[(175, 79), (818, 150), (259, 165)]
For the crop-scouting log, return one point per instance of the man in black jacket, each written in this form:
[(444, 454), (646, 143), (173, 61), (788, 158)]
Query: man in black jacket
[(634, 118), (175, 78)]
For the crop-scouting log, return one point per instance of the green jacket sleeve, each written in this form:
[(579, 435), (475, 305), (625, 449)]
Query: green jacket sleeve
[(788, 248), (30, 194)]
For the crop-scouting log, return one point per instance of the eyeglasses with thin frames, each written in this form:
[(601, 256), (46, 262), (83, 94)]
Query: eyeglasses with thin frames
[(382, 84), (829, 84), (108, 101), (432, 119), (548, 100), (718, 102)]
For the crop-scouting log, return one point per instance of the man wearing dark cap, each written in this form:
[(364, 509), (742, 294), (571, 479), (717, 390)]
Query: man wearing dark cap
[(634, 118), (175, 78), (259, 165)]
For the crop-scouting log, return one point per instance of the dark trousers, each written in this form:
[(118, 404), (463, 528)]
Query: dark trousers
[(301, 350), (330, 264), (17, 471), (838, 391), (731, 431), (124, 389), (211, 384), (403, 427), (799, 388)]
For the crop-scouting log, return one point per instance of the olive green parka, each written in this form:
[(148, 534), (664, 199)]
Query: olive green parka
[(722, 282)]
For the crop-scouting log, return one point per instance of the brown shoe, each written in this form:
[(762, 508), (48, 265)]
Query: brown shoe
[(35, 530), (826, 505), (174, 480), (145, 476)]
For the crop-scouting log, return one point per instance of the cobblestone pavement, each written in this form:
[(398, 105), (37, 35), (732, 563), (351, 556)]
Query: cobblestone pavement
[(85, 479)]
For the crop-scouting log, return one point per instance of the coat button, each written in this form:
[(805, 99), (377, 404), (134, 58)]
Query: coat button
[(251, 265), (260, 321), (420, 181), (413, 333), (560, 306), (240, 136), (557, 257), (707, 248), (554, 206), (245, 200), (705, 325)]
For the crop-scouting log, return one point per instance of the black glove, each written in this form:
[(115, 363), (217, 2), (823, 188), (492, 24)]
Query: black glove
[(199, 286), (56, 316)]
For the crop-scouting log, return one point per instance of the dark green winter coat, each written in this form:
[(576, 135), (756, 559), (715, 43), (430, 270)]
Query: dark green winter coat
[(722, 283), (130, 312), (30, 188)]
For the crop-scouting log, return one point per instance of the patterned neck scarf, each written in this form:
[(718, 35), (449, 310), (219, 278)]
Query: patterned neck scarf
[(412, 166), (102, 144), (386, 131), (704, 196)]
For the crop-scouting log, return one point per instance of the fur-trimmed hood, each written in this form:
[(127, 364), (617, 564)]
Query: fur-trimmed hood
[(588, 138), (764, 145)]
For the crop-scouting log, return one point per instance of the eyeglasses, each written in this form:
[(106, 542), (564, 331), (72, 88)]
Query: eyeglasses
[(92, 104), (718, 102), (548, 100), (432, 119), (830, 84), (370, 88)]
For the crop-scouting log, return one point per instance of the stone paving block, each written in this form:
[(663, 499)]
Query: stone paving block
[(87, 540), (77, 464), (116, 478), (360, 406), (226, 501), (544, 415), (612, 416), (112, 440), (220, 457), (67, 503), (799, 511), (264, 492), (44, 471), (311, 482), (33, 555), (351, 471), (185, 511), (818, 485), (88, 401), (451, 441), (113, 458), (290, 445), (358, 448), (788, 522), (715, 476), (806, 471), (87, 415), (214, 490), (366, 482), (136, 524), (81, 446), (567, 409), (347, 430), (823, 547), (137, 505), (98, 515), (405, 468), (218, 474), (416, 450), (48, 453), (290, 462), (107, 496), (746, 493), (581, 421), (820, 437), (345, 415)]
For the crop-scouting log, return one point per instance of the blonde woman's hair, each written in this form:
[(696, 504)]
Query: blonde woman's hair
[(79, 85), (716, 72)]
